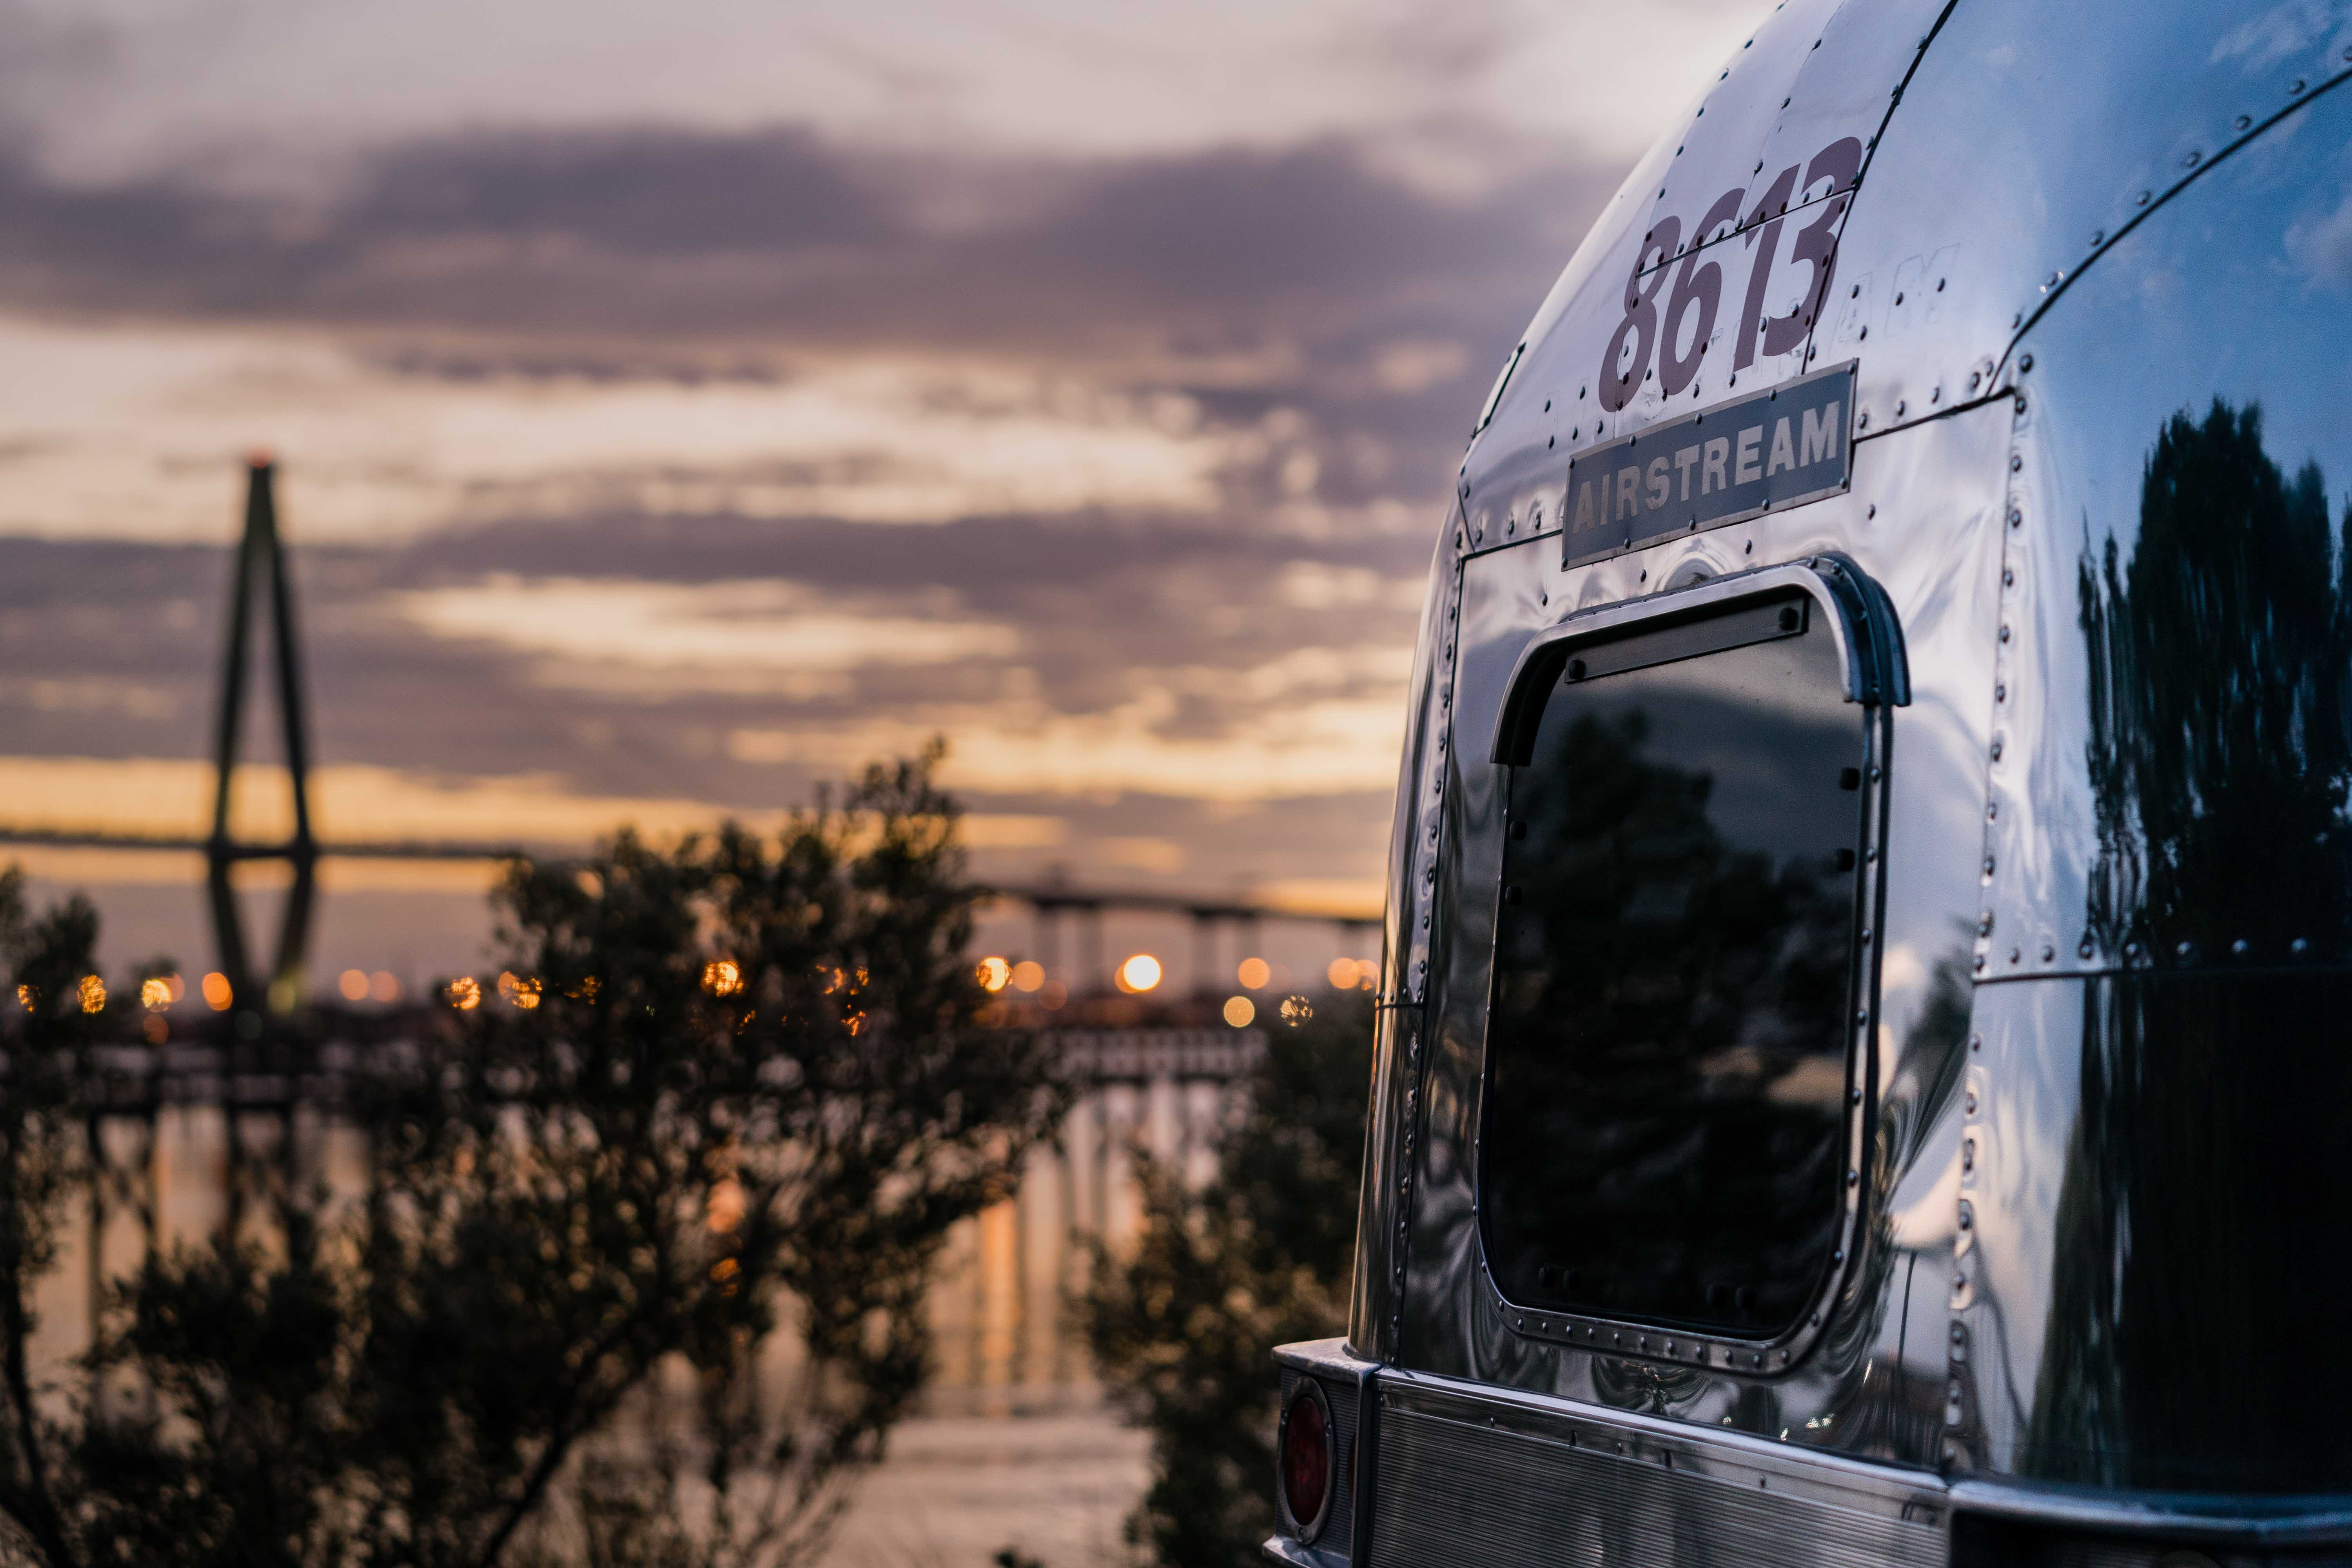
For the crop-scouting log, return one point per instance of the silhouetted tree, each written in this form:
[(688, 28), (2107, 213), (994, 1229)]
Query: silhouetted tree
[(1260, 1255), (639, 1275)]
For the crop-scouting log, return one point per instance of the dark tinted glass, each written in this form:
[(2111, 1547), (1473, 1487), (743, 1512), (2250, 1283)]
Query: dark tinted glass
[(1667, 1045)]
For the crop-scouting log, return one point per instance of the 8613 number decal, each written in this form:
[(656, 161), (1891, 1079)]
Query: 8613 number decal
[(1697, 284)]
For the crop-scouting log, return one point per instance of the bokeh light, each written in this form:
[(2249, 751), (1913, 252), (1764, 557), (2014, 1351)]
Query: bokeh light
[(92, 991), (1028, 974), (464, 993), (1297, 1010), (1140, 973), (383, 986), (995, 973), (154, 993), (1054, 994), (353, 984), (1240, 1012), (1341, 974), (724, 977), (217, 991), (519, 991), (1254, 973)]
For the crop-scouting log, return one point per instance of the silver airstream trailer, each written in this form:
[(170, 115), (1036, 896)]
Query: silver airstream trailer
[(1865, 1070)]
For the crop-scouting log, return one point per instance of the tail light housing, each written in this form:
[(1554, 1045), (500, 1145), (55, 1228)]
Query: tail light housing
[(1306, 1461)]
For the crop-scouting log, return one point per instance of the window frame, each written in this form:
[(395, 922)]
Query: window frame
[(1862, 625)]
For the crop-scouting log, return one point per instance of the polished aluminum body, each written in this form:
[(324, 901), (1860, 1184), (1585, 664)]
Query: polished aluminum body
[(2092, 268)]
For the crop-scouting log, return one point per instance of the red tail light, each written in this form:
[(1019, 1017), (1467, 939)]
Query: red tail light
[(1303, 1459)]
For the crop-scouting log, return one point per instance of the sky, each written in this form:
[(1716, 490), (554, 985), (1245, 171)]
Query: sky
[(676, 406)]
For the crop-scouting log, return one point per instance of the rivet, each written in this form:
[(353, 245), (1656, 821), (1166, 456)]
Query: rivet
[(2098, 237), (1974, 376), (1863, 421), (2017, 321), (2026, 362), (1967, 1216), (2190, 160), (1861, 1015), (2238, 948), (2007, 577), (1996, 745), (2296, 86), (2014, 956), (1976, 1042), (1936, 396), (1984, 924), (2016, 518), (2186, 949), (1898, 299), (2298, 947), (2015, 462), (1871, 510), (1853, 1097), (2048, 952), (1857, 292), (2000, 693), (2005, 634), (2083, 948), (1865, 936), (2242, 121), (2144, 198), (1898, 409), (2131, 949), (1862, 335), (1987, 870), (2053, 280), (1853, 1179), (1992, 811)]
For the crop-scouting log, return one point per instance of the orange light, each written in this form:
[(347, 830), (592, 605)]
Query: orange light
[(1053, 995), (995, 973), (154, 993), (464, 993), (1240, 1012), (516, 991), (157, 1027), (382, 987), (1368, 975), (352, 984), (92, 992), (1140, 973), (723, 977), (1028, 974), (28, 999), (1254, 973), (1297, 1010), (217, 991), (1341, 974)]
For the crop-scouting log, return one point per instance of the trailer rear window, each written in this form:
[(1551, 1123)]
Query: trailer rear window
[(1665, 1113)]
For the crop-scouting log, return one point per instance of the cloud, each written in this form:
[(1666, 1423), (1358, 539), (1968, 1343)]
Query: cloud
[(776, 236), (756, 628), (168, 796)]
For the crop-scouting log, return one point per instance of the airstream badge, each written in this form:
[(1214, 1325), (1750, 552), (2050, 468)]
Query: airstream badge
[(1772, 450)]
